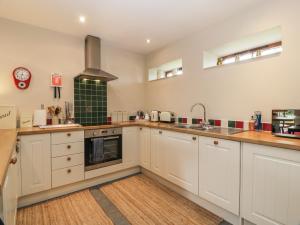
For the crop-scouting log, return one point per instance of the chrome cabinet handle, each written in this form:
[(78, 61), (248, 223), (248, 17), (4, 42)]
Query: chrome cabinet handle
[(216, 142), (13, 160)]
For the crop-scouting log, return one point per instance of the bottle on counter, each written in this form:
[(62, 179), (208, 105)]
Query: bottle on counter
[(252, 124), (258, 118)]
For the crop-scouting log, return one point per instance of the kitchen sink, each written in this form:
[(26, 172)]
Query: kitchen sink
[(210, 129)]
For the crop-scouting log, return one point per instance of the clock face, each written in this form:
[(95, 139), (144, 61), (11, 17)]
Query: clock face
[(22, 74), (22, 77)]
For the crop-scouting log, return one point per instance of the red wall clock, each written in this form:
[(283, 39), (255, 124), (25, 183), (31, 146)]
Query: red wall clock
[(22, 77)]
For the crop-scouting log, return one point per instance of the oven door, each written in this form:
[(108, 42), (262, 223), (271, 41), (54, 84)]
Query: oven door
[(103, 151)]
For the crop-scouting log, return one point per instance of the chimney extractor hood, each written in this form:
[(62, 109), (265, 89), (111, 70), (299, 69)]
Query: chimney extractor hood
[(93, 61)]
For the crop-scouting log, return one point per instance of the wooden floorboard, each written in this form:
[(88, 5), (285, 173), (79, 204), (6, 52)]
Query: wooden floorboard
[(144, 201), (138, 198), (75, 209)]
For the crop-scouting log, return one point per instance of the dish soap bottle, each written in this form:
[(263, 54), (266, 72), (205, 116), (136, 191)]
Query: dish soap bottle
[(252, 124)]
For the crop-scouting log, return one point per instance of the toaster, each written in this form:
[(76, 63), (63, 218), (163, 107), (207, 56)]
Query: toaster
[(168, 117)]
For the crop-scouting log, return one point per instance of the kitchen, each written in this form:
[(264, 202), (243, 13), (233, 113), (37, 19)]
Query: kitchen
[(220, 171)]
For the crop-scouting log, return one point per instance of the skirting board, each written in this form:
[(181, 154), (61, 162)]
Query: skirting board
[(60, 191), (231, 218)]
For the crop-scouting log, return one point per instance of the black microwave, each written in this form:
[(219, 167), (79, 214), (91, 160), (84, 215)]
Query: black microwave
[(286, 123)]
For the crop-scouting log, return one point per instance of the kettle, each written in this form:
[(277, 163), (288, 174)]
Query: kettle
[(155, 116)]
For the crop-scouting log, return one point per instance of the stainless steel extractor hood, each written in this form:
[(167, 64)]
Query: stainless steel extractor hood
[(93, 61)]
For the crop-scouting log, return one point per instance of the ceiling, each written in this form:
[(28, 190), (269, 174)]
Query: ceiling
[(126, 24)]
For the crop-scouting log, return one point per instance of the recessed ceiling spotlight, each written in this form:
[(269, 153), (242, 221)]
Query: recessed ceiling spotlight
[(148, 41), (81, 19)]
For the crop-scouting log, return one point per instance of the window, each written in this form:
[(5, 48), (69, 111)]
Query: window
[(262, 44), (266, 50), (167, 70)]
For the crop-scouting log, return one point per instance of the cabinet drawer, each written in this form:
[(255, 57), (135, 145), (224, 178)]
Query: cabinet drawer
[(67, 161), (67, 137), (67, 149), (67, 176)]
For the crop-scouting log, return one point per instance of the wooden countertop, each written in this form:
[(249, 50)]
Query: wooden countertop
[(262, 138), (8, 138), (7, 141)]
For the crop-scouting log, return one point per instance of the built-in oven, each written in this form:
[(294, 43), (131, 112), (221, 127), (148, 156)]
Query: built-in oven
[(103, 147)]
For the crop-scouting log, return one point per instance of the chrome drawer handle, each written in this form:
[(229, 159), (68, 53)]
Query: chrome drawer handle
[(69, 171), (69, 159), (216, 142)]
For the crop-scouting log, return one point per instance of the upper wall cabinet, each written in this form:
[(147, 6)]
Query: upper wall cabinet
[(270, 185)]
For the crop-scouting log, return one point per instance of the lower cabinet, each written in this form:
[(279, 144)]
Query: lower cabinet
[(158, 158), (130, 144), (181, 160), (35, 163), (174, 156), (144, 147), (270, 185), (10, 192), (219, 172)]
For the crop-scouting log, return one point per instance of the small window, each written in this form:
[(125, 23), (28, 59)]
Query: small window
[(266, 50), (248, 48), (167, 70)]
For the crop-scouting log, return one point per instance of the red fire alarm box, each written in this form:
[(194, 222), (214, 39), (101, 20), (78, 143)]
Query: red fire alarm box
[(56, 80)]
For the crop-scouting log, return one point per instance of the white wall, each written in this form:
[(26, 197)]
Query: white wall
[(233, 91), (44, 52)]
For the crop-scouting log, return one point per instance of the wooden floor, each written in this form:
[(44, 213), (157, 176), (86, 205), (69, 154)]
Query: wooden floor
[(139, 199), (75, 209), (144, 201)]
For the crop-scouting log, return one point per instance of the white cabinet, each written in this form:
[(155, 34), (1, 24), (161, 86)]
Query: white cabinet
[(271, 185), (219, 172), (67, 152), (181, 152), (130, 142), (157, 162), (174, 156), (10, 192), (144, 147), (35, 163)]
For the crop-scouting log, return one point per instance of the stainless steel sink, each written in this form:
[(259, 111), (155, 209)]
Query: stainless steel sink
[(210, 129)]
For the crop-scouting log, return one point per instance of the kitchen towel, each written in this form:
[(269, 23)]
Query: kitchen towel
[(98, 154)]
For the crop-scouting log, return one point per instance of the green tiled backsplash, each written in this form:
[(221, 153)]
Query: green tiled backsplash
[(90, 102)]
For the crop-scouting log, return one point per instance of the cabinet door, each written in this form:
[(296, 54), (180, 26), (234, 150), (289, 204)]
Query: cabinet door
[(181, 160), (10, 194), (145, 147), (271, 185), (157, 155), (219, 172), (35, 163), (130, 146)]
